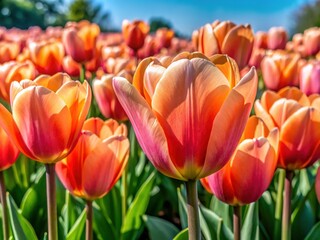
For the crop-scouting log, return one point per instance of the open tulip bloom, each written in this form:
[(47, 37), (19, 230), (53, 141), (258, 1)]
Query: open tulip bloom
[(188, 116)]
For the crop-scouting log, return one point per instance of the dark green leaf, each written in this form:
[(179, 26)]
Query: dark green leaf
[(160, 229)]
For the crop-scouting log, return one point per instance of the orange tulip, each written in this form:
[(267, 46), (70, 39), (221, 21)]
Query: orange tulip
[(228, 38), (47, 116), (80, 41), (14, 71), (163, 38), (188, 116), (277, 38), (97, 161), (8, 151), (70, 66), (260, 40), (298, 119), (134, 33), (107, 101), (310, 78), (256, 156), (8, 51), (280, 69), (47, 55)]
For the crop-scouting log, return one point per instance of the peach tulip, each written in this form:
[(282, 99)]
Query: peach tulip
[(277, 38), (227, 38), (70, 66), (280, 69), (256, 156), (311, 39), (14, 71), (47, 115), (80, 41), (188, 116), (8, 51), (8, 151), (298, 119), (310, 78), (97, 161), (163, 38), (47, 55), (134, 33), (107, 101)]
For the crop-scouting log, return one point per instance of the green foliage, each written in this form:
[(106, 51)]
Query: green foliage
[(158, 22)]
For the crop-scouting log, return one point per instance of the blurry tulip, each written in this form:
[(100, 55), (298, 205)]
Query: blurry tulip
[(134, 33), (47, 116), (14, 71), (47, 55), (80, 43), (256, 57), (228, 38), (189, 116), (256, 156), (280, 69), (8, 151), (107, 101), (277, 38), (8, 51), (164, 37), (115, 65), (97, 161), (298, 119), (310, 78), (312, 41), (70, 66), (261, 40)]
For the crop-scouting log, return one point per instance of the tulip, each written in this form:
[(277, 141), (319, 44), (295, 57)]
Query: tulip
[(70, 66), (228, 38), (188, 116), (107, 101), (311, 39), (164, 37), (280, 69), (256, 155), (310, 78), (8, 51), (47, 56), (134, 33), (261, 40), (14, 71), (277, 38)]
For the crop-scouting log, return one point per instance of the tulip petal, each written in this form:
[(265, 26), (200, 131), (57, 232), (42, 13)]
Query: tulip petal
[(147, 128), (262, 113), (52, 82), (208, 44), (44, 122)]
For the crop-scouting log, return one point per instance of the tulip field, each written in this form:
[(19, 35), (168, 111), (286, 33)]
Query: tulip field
[(139, 135)]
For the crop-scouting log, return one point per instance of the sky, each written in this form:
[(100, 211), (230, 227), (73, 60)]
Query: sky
[(188, 15)]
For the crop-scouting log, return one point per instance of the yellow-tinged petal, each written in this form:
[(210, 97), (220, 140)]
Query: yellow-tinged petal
[(53, 82)]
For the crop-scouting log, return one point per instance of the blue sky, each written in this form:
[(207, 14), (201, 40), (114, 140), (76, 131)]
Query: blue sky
[(188, 15)]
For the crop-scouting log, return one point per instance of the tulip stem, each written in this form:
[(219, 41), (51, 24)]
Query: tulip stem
[(5, 223), (286, 213), (51, 201), (279, 202), (193, 210), (82, 72), (89, 233), (236, 222), (124, 193)]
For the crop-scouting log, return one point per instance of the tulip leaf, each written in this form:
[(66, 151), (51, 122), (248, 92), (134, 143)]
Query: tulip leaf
[(183, 235), (21, 228), (77, 228), (250, 227), (103, 227), (182, 209), (160, 229), (267, 220), (223, 210), (132, 225), (303, 220), (314, 233)]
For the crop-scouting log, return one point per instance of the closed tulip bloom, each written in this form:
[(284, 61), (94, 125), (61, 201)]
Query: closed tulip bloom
[(188, 116), (280, 69), (14, 71), (164, 37), (47, 56), (277, 38), (134, 33), (8, 51), (256, 156), (97, 161), (228, 38), (261, 40), (298, 119), (311, 39), (104, 94), (310, 78), (70, 66), (8, 151), (80, 43), (47, 116)]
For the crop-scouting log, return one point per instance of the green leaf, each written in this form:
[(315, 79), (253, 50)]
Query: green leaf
[(223, 210), (132, 225), (182, 209), (303, 221), (314, 232), (102, 226), (160, 229), (250, 227), (21, 228), (266, 207), (77, 229), (183, 235)]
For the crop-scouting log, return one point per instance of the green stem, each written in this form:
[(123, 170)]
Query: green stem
[(236, 222), (82, 72), (89, 233), (279, 202), (286, 213), (124, 193), (5, 223), (51, 201), (193, 210)]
